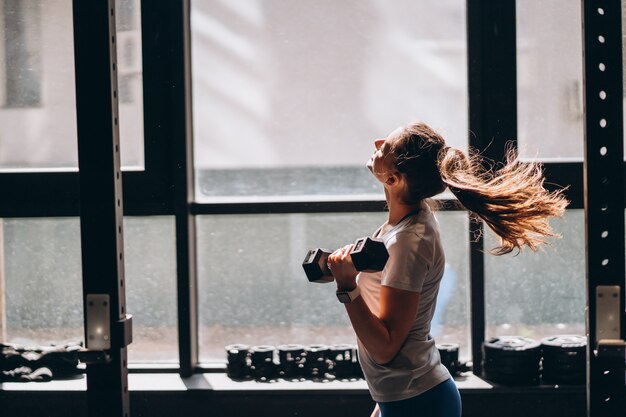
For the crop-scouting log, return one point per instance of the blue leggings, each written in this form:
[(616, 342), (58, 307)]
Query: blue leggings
[(442, 400)]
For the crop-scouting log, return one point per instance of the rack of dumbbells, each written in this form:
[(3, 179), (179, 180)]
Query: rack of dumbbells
[(293, 362), (516, 360), (318, 363), (20, 363)]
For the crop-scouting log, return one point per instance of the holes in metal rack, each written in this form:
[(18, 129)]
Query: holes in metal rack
[(601, 39), (605, 262), (603, 123), (602, 95), (604, 181), (600, 11), (603, 151), (114, 67), (604, 207), (601, 67), (604, 234)]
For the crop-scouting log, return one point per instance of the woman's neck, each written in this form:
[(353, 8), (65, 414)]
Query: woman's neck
[(399, 210)]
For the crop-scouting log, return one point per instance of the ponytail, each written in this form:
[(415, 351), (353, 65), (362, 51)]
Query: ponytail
[(511, 200)]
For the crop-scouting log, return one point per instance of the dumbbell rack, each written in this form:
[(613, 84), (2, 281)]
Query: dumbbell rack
[(293, 362)]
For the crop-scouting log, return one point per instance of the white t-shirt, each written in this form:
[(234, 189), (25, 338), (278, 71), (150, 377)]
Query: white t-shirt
[(416, 263)]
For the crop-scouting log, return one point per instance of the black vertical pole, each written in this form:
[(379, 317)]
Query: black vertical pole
[(604, 207), (167, 68), (106, 326), (183, 181), (492, 85)]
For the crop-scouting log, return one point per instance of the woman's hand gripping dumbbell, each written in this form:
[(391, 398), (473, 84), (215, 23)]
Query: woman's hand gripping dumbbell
[(367, 255)]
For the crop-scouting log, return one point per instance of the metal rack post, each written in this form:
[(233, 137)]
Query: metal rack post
[(604, 206), (107, 326)]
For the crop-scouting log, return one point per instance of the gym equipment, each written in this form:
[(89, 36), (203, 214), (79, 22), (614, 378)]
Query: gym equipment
[(342, 358), (564, 359), (368, 255), (59, 360), (511, 360), (317, 362), (262, 365), (293, 362), (291, 359), (238, 365), (449, 353)]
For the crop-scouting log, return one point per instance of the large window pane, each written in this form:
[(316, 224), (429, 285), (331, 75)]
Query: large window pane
[(37, 85), (539, 294), (549, 84), (252, 288), (288, 96), (40, 270)]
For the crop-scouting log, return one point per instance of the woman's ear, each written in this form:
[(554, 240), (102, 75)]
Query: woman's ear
[(393, 179)]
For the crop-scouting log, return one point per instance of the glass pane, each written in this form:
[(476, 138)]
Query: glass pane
[(37, 85), (150, 252), (549, 79), (42, 279), (41, 273), (540, 294), (288, 96), (252, 288)]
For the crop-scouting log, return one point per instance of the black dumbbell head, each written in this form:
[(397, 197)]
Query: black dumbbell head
[(315, 266), (369, 255)]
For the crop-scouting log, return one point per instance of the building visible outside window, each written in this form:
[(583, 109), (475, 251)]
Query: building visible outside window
[(22, 55)]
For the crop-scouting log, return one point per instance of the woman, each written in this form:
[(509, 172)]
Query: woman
[(391, 310)]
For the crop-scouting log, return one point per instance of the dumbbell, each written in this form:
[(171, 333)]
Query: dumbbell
[(368, 255)]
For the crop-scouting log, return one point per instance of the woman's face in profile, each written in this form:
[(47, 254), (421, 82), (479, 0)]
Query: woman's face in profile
[(381, 162)]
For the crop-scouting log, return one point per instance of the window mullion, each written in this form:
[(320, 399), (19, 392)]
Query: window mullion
[(492, 89)]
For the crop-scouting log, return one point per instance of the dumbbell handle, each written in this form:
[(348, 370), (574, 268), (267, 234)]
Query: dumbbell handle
[(367, 255)]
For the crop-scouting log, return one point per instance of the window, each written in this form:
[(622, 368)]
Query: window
[(549, 85), (41, 274), (289, 96), (288, 99), (253, 290), (539, 294), (37, 87), (42, 280)]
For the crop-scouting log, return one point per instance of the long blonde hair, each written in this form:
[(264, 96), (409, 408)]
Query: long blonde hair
[(510, 199)]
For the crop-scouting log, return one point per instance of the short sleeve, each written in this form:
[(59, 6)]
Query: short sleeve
[(406, 268)]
